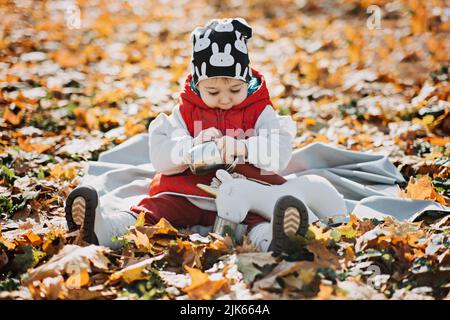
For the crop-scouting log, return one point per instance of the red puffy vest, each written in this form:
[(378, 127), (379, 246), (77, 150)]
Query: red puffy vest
[(192, 108)]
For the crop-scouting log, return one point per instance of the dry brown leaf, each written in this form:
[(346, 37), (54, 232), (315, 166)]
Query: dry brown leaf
[(163, 227), (323, 257), (71, 259), (140, 239), (422, 189)]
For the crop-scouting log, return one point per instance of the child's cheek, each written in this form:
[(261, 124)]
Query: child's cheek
[(210, 101), (241, 97)]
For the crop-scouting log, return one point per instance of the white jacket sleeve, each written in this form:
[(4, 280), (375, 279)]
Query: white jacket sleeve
[(170, 143), (270, 148)]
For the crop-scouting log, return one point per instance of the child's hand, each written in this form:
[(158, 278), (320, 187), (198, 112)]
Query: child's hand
[(231, 148), (207, 135)]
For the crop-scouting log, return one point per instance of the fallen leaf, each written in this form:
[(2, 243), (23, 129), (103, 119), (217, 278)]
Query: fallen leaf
[(135, 271), (78, 280), (32, 238), (201, 286), (422, 189), (325, 292), (323, 257), (250, 264), (71, 258)]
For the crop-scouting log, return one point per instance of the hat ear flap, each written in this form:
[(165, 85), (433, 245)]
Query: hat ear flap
[(241, 25)]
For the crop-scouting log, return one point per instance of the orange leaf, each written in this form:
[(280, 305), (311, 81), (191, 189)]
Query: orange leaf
[(78, 279), (9, 245), (68, 59), (419, 19), (201, 286), (24, 144), (439, 141), (321, 138), (165, 227), (87, 117), (310, 121), (325, 292), (15, 118), (162, 227), (349, 254), (422, 189), (135, 271), (33, 238), (131, 128)]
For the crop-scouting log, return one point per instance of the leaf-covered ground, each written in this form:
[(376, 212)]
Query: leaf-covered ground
[(69, 93)]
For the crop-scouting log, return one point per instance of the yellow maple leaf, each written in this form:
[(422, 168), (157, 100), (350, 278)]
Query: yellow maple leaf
[(319, 234), (165, 227), (135, 271), (140, 221), (201, 286), (129, 275), (64, 172)]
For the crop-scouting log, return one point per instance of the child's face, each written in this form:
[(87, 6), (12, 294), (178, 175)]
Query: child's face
[(222, 93)]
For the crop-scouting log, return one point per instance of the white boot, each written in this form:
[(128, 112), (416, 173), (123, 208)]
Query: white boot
[(261, 236), (112, 224)]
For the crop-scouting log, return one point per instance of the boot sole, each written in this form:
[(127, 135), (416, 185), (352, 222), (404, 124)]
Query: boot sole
[(290, 218), (80, 208)]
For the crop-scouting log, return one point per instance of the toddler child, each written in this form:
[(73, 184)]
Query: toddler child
[(224, 101)]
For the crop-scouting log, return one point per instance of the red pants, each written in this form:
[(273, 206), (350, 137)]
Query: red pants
[(180, 212)]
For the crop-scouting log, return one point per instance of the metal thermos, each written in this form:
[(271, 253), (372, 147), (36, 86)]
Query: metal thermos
[(206, 158), (221, 224)]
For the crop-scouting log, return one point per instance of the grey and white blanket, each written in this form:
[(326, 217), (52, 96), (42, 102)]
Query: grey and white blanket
[(368, 181)]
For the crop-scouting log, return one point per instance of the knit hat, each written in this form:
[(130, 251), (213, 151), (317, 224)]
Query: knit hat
[(220, 50)]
